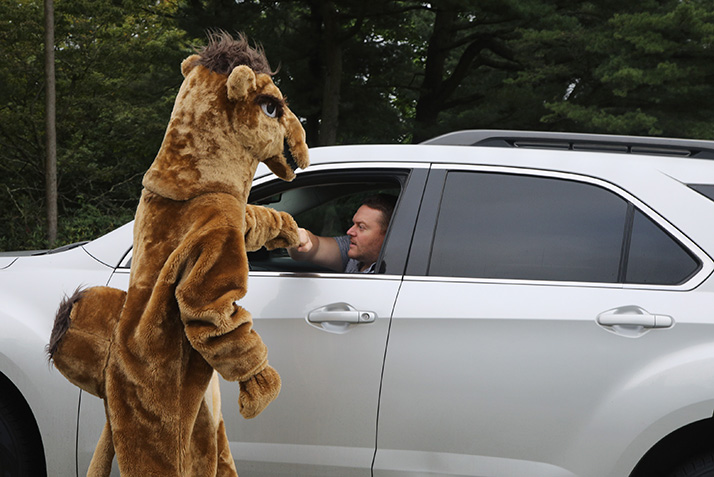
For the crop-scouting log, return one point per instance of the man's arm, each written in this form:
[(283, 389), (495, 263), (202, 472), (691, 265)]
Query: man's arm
[(322, 251)]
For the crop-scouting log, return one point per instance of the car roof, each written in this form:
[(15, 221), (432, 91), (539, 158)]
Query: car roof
[(646, 145), (593, 163)]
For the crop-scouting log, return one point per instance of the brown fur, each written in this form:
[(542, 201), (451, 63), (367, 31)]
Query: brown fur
[(180, 319), (222, 54), (82, 337), (62, 321)]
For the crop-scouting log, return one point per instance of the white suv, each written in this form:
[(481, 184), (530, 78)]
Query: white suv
[(543, 306)]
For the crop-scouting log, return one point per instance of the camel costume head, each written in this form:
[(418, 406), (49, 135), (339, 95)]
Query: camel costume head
[(226, 120), (151, 353)]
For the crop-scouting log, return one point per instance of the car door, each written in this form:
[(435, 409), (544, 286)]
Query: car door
[(326, 332), (532, 333), (329, 357)]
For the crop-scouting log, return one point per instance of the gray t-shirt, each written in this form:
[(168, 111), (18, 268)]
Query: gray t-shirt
[(350, 265)]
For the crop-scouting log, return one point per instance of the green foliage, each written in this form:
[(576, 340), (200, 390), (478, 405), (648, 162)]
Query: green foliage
[(117, 72), (89, 221), (405, 70), (295, 37), (638, 68)]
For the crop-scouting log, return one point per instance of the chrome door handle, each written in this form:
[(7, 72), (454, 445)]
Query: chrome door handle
[(634, 316), (340, 313)]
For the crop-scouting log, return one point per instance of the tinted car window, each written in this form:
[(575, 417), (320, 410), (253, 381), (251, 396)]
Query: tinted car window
[(538, 228), (655, 257), (706, 190), (526, 227)]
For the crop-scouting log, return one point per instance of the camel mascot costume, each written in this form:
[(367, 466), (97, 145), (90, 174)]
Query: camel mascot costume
[(150, 353)]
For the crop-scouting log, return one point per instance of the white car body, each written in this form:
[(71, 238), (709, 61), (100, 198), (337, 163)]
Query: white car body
[(456, 376)]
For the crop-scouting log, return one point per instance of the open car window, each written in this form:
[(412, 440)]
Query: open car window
[(321, 203)]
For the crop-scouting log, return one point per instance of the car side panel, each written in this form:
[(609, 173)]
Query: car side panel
[(30, 292), (323, 422), (524, 374), (489, 377)]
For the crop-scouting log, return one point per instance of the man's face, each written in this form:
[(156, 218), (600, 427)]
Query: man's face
[(366, 235)]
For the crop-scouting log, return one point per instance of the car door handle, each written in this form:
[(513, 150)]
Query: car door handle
[(632, 316), (340, 313)]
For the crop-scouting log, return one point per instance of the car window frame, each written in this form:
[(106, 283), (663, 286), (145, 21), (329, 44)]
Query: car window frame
[(420, 257), (395, 252)]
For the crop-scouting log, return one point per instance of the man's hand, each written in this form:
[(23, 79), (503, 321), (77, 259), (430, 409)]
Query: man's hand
[(305, 242)]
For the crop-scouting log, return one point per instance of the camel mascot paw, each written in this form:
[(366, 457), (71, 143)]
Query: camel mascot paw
[(258, 391)]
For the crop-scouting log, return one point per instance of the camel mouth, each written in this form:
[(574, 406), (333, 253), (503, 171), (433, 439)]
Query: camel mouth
[(289, 159)]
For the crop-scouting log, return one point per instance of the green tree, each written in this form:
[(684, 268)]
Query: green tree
[(21, 120), (390, 71), (117, 74), (643, 67), (353, 71), (465, 56), (50, 124), (313, 43)]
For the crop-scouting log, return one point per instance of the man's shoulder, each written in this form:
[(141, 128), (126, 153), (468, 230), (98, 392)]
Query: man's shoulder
[(343, 243)]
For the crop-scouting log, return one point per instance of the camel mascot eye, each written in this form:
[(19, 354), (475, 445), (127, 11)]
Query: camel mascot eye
[(270, 109)]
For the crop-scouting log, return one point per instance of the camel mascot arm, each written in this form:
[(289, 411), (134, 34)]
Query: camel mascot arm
[(269, 228), (217, 327)]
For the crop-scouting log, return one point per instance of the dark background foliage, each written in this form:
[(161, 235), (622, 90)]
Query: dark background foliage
[(354, 71)]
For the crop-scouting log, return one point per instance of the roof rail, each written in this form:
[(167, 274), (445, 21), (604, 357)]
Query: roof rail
[(658, 146)]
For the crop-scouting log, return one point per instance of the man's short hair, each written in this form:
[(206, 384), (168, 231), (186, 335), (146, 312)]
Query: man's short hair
[(385, 204)]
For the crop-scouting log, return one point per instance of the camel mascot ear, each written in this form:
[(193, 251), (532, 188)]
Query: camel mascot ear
[(189, 64), (241, 83)]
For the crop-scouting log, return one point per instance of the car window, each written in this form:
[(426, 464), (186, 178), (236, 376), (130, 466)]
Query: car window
[(707, 190), (324, 207), (322, 203), (326, 210), (655, 257), (509, 226)]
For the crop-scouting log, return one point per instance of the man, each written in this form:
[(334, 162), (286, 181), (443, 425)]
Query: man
[(356, 252)]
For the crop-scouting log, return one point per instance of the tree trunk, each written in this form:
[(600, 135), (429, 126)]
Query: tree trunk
[(332, 75), (50, 126), (431, 96)]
